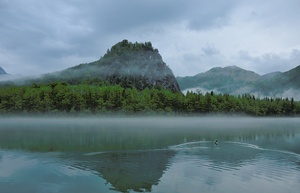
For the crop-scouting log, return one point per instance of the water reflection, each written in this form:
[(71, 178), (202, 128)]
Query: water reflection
[(127, 170), (195, 165), (190, 167), (231, 167), (152, 155), (23, 172)]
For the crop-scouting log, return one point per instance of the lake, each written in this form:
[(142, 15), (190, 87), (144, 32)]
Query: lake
[(167, 154)]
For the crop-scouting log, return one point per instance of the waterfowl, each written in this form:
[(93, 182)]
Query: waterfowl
[(216, 142)]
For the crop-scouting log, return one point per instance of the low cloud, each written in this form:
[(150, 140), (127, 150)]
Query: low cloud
[(210, 50), (44, 36), (271, 62), (206, 16)]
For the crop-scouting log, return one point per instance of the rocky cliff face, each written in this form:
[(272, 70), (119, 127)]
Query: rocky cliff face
[(136, 65)]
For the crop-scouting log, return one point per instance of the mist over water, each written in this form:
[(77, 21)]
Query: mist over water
[(91, 134), (151, 154)]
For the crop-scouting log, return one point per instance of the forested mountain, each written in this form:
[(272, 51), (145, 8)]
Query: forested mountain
[(235, 80), (132, 78), (286, 83), (131, 65), (86, 89), (224, 80)]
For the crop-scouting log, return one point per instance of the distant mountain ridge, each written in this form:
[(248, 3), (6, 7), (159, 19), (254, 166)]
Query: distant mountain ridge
[(225, 80), (140, 66), (235, 80)]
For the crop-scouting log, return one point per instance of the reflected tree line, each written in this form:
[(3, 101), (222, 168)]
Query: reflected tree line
[(61, 97)]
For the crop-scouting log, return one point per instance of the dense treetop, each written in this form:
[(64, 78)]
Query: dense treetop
[(64, 98), (125, 46)]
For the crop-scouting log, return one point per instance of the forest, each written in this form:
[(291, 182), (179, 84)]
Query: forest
[(63, 98)]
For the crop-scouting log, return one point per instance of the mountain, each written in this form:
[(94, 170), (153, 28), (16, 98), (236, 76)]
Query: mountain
[(235, 80), (4, 76), (2, 71), (229, 79), (286, 84), (131, 65)]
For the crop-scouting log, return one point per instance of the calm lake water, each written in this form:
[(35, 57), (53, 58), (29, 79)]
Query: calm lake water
[(149, 155)]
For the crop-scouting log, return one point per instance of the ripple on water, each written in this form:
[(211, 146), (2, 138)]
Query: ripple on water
[(241, 162)]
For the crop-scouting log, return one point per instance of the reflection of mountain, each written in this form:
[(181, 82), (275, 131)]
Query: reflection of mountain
[(125, 171)]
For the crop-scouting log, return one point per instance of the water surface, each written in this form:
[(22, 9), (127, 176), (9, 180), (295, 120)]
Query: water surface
[(149, 155)]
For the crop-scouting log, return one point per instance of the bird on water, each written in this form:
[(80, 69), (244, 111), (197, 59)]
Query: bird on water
[(216, 142)]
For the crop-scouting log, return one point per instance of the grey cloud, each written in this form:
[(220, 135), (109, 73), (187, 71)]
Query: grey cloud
[(196, 63), (118, 16), (125, 15), (39, 31), (211, 14), (45, 36), (210, 50), (271, 62)]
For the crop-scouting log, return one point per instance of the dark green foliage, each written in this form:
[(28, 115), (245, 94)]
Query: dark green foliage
[(61, 97), (125, 46)]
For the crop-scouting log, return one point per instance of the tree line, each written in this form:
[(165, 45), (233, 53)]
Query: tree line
[(61, 97)]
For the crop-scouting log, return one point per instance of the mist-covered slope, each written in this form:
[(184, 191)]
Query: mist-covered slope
[(235, 80), (286, 84), (224, 80), (2, 71), (131, 65), (128, 64), (4, 75)]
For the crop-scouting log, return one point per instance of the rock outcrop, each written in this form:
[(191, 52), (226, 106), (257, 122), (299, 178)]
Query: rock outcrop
[(136, 65)]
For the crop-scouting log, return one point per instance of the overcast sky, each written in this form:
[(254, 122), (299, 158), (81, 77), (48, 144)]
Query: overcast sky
[(41, 36)]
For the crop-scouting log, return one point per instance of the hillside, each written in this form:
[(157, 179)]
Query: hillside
[(224, 80), (286, 84), (131, 65), (235, 80)]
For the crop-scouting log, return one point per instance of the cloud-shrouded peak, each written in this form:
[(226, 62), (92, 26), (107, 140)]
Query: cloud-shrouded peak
[(2, 71), (39, 36)]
